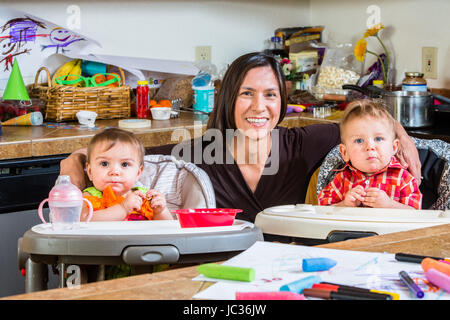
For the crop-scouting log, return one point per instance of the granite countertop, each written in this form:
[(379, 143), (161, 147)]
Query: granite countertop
[(54, 139)]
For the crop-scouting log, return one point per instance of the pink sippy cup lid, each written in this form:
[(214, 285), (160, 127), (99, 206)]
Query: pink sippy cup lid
[(64, 191)]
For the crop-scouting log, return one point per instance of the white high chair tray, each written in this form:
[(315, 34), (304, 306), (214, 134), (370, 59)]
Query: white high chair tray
[(317, 222), (156, 227)]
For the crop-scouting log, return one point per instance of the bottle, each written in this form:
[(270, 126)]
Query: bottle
[(66, 202), (142, 99), (275, 48), (414, 81)]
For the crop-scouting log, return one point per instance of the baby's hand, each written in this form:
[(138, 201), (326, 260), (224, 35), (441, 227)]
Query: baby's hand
[(133, 201), (377, 198), (354, 197), (157, 200)]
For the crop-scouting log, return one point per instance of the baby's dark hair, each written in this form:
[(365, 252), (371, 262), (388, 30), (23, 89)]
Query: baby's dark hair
[(113, 136), (366, 107)]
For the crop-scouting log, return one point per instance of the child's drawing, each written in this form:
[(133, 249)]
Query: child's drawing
[(61, 38), (20, 32)]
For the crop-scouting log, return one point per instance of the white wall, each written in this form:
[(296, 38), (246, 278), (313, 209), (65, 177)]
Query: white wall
[(169, 29), (411, 25)]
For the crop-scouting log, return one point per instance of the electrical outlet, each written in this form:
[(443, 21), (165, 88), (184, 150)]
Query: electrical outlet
[(203, 53), (429, 62)]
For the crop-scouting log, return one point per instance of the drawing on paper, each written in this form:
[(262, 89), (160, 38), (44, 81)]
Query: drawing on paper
[(61, 38), (20, 31)]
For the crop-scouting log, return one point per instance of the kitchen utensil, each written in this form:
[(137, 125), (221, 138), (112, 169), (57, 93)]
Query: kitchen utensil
[(65, 201), (413, 109)]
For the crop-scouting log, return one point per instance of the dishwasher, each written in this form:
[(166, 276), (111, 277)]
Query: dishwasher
[(24, 183)]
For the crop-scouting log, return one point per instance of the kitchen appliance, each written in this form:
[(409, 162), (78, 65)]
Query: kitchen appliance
[(25, 182), (413, 109)]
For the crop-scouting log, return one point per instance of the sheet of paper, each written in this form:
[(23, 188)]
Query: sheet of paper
[(33, 41), (277, 264), (142, 68)]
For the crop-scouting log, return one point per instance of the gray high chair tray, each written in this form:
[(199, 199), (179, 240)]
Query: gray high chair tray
[(136, 243)]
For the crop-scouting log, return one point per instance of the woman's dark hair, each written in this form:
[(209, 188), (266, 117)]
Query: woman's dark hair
[(222, 117)]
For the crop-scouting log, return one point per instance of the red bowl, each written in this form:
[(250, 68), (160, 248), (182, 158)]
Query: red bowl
[(195, 218)]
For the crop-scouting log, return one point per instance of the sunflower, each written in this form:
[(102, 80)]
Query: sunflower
[(374, 30), (360, 49)]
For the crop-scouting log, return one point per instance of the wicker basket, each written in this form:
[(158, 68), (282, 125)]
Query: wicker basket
[(63, 102)]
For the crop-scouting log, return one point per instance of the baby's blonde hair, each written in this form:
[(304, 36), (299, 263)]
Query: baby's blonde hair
[(363, 108), (113, 136)]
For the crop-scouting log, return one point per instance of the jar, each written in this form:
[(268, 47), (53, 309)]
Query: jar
[(414, 81), (142, 99)]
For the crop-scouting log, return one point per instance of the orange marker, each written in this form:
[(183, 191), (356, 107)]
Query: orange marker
[(429, 263)]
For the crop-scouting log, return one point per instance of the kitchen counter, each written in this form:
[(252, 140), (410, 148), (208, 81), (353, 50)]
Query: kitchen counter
[(177, 283), (54, 139)]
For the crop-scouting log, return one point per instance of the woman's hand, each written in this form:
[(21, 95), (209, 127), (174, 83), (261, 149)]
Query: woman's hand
[(73, 166), (407, 153)]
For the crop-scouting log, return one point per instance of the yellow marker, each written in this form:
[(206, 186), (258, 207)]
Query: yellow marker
[(395, 296)]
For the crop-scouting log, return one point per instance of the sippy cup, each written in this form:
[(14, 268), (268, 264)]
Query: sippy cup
[(65, 201)]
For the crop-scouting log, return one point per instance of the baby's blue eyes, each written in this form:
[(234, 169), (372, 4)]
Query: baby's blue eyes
[(376, 139), (123, 164)]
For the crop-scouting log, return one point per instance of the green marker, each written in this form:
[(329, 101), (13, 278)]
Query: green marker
[(218, 271)]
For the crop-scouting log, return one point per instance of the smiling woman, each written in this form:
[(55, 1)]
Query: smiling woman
[(255, 164)]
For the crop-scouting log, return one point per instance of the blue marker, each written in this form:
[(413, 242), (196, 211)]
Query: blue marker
[(299, 285), (411, 285), (317, 264)]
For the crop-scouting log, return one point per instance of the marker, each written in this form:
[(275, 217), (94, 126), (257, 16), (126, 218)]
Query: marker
[(317, 264), (218, 271), (411, 285), (343, 288), (277, 295), (298, 285), (347, 295), (406, 257), (439, 279), (428, 263)]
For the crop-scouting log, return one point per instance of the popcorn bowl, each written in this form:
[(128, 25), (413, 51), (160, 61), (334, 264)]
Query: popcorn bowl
[(161, 113), (194, 218), (86, 118)]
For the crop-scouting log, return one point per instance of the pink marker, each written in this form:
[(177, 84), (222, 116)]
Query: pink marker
[(439, 279), (276, 295), (445, 261)]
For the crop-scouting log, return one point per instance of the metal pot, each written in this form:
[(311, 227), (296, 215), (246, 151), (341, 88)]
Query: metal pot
[(413, 109)]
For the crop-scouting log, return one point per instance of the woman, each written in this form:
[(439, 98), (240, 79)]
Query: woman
[(261, 164)]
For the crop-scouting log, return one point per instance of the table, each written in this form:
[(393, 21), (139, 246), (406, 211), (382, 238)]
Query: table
[(177, 284)]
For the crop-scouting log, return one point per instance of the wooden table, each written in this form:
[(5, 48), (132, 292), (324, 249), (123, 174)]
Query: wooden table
[(177, 283)]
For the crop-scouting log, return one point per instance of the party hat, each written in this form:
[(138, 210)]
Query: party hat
[(15, 88)]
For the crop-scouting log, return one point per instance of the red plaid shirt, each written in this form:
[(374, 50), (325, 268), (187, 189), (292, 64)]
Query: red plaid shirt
[(394, 179)]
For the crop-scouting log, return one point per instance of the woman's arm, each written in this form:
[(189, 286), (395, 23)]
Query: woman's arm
[(407, 153), (73, 166)]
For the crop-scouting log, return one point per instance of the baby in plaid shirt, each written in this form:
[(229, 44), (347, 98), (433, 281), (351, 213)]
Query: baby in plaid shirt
[(372, 176)]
